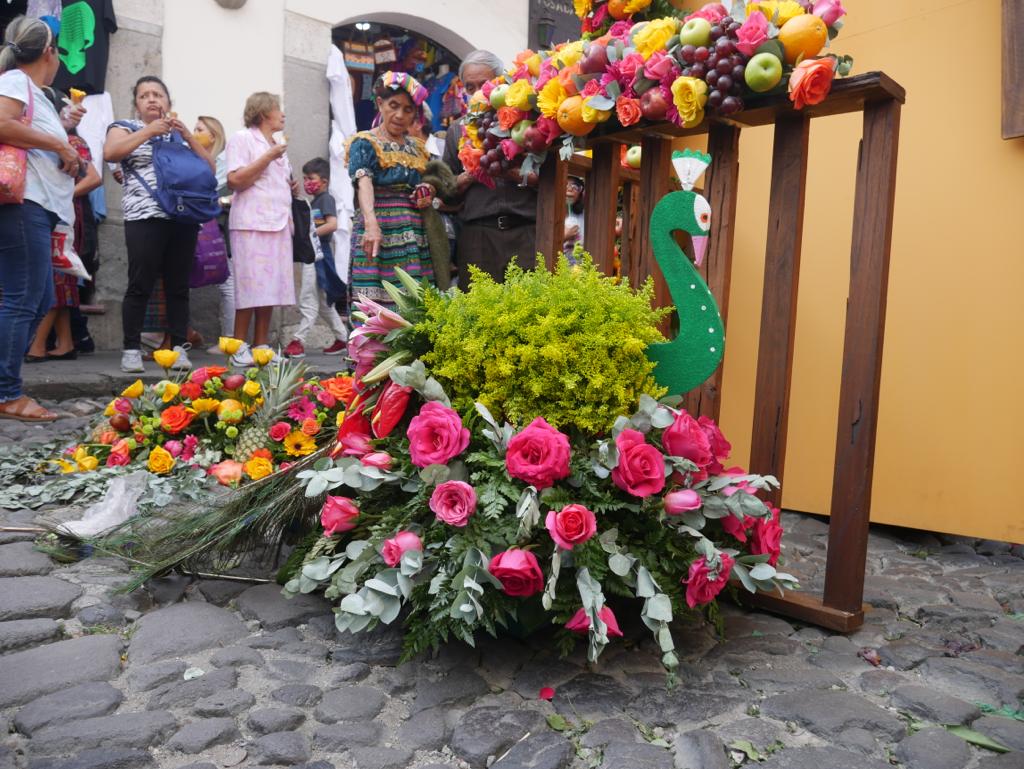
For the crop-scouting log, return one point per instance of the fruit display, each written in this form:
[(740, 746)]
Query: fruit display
[(631, 67)]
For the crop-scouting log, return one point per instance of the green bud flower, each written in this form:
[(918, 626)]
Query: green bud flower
[(231, 432)]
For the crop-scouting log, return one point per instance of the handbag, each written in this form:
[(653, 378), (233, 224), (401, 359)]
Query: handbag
[(306, 248), (210, 267), (14, 160)]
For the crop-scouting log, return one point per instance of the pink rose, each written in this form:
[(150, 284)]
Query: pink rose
[(123, 406), (548, 128), (379, 459), (394, 548), (713, 12), (592, 87), (752, 34), (453, 502), (326, 399), (702, 585), (682, 501), (279, 431), (436, 435), (641, 468), (338, 514), (736, 528), (539, 455), (766, 538), (572, 525), (621, 29), (510, 149), (227, 472), (518, 572), (720, 447), (830, 11), (686, 438), (487, 88), (174, 448), (659, 66), (629, 67), (580, 622), (118, 459)]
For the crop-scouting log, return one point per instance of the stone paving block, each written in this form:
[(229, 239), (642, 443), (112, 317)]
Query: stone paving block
[(1005, 635), (290, 670), (142, 678), (162, 633), (21, 559), (591, 694), (226, 703), (608, 731), (350, 703), (185, 693), (101, 614), (301, 695), (637, 755), (759, 732), (339, 737), (817, 758), (974, 681), (268, 604), (7, 760), (663, 707), (275, 639), (490, 731), (905, 654), (1011, 663), (197, 736), (30, 597), (881, 681), (1005, 731), (933, 748), (21, 633), (100, 758), (933, 706), (133, 731), (460, 686), (542, 750), (382, 646), (29, 674), (426, 730), (220, 592), (1005, 761), (826, 713), (280, 748), (700, 749), (83, 701), (236, 657), (776, 680), (269, 720), (383, 758)]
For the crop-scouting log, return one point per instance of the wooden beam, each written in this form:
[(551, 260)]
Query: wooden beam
[(778, 307), (655, 178), (627, 244), (874, 201), (551, 208), (580, 165), (601, 205), (804, 607), (1013, 69)]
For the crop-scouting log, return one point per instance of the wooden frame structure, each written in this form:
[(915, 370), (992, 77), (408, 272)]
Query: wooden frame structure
[(879, 99)]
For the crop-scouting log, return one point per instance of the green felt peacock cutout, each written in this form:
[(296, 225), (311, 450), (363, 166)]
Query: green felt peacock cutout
[(688, 360)]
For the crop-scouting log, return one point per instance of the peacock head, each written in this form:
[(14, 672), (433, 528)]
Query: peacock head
[(696, 219)]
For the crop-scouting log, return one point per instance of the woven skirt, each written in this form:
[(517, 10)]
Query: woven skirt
[(403, 244)]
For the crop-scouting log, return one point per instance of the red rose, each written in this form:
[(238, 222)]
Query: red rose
[(548, 128), (453, 502), (572, 525), (190, 391), (686, 438), (539, 455), (580, 622), (641, 468), (702, 585), (390, 409), (338, 514), (175, 419), (518, 572), (766, 538), (436, 435), (736, 528), (720, 447), (279, 431), (394, 548)]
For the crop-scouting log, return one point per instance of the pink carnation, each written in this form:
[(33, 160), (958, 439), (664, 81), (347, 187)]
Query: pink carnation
[(580, 622), (702, 585), (174, 448), (302, 409), (189, 447)]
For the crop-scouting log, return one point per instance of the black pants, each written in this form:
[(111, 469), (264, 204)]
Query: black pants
[(158, 248), (492, 250)]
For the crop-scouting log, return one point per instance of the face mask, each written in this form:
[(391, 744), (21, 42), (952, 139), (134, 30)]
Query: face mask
[(312, 188), (204, 140), (418, 69)]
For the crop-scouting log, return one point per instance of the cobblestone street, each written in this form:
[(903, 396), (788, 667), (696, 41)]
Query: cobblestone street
[(214, 673)]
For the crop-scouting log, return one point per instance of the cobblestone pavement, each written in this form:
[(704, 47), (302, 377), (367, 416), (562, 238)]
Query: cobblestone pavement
[(210, 674)]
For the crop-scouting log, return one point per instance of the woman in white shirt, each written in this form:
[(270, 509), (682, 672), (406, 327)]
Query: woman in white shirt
[(28, 61)]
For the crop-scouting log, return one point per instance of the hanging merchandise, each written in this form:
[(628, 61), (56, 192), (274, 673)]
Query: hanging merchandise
[(84, 45), (384, 53), (343, 125), (358, 56), (38, 8)]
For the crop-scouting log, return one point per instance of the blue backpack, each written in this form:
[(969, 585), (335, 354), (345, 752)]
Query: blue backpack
[(186, 188)]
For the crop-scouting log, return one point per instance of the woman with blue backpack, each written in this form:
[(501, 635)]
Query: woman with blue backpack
[(169, 190)]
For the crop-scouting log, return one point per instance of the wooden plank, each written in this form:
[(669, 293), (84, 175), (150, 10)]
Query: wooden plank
[(804, 607), (778, 307), (551, 208), (874, 200), (1013, 69), (627, 242), (580, 165), (655, 179), (601, 203), (721, 187)]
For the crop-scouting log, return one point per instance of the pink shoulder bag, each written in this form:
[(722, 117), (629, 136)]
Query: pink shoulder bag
[(14, 160)]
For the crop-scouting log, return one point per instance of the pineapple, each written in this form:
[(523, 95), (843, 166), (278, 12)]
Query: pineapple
[(279, 385)]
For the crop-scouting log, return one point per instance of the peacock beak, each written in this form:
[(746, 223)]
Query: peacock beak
[(700, 246)]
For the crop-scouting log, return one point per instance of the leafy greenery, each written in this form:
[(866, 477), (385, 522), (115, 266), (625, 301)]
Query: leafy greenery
[(567, 345)]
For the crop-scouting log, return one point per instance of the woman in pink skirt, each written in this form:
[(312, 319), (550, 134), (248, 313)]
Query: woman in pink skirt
[(260, 221)]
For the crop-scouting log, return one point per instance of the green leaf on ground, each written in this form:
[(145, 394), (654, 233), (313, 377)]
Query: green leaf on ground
[(977, 738), (557, 722), (747, 748)]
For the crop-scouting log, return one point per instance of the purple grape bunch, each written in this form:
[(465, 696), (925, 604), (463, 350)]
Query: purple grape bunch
[(719, 64), (493, 160)]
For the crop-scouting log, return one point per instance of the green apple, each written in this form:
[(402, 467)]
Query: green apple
[(633, 156), (696, 32), (519, 131), (763, 72), (498, 96)]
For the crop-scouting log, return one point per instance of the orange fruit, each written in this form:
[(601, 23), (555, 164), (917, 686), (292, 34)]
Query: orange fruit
[(803, 36), (570, 117), (230, 411), (617, 9)]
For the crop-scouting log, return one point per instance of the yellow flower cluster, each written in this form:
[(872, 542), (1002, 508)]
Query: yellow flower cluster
[(298, 444), (786, 10), (160, 461), (258, 467), (654, 35), (519, 95)]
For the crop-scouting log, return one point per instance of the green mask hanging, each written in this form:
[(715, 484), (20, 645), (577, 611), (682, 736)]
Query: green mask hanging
[(77, 35)]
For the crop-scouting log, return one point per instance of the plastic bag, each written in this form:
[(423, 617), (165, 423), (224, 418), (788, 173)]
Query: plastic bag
[(62, 252), (210, 267), (118, 505)]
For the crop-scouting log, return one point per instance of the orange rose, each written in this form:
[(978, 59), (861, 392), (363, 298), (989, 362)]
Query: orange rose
[(341, 387), (565, 77), (310, 427), (470, 156), (811, 81), (175, 419), (627, 110), (509, 116)]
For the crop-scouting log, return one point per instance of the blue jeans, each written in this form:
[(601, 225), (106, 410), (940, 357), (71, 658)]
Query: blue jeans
[(26, 279)]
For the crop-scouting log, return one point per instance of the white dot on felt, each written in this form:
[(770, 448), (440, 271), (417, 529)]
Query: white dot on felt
[(693, 285), (711, 331), (704, 307), (712, 349)]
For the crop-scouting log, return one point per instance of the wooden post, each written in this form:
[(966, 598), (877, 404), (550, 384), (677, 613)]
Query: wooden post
[(721, 185), (602, 202), (655, 175), (778, 308), (1013, 69), (862, 357), (551, 208)]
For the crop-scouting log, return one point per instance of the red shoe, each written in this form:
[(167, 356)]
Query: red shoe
[(337, 348), (295, 349)]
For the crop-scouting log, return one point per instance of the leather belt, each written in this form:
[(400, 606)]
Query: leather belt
[(505, 222)]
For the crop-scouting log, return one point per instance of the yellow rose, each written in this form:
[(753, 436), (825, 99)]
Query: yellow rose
[(160, 461), (258, 467), (229, 345), (84, 461), (134, 390), (786, 10), (339, 419), (690, 95), (205, 405), (592, 115), (518, 95), (165, 358), (533, 64), (653, 36), (251, 388), (570, 53), (635, 6), (171, 391), (262, 356), (478, 102), (551, 97), (109, 411), (582, 7)]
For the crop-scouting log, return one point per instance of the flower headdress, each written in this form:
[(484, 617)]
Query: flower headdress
[(402, 81)]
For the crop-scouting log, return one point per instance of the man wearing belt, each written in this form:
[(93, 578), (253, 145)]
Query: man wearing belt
[(499, 225)]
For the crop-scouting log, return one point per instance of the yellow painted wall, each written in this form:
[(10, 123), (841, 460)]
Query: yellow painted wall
[(950, 454)]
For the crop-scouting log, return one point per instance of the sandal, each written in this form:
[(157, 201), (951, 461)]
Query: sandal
[(24, 409), (36, 358)]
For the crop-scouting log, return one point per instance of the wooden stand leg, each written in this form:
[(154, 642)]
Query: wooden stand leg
[(629, 259), (551, 208), (655, 175), (602, 200)]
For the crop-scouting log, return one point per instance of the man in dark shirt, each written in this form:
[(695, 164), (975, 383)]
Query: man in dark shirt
[(499, 225)]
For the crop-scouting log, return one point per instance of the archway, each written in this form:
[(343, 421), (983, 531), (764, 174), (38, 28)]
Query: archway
[(428, 28)]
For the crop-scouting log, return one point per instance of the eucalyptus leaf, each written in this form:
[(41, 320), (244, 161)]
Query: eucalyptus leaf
[(741, 571), (620, 564), (762, 571), (659, 608)]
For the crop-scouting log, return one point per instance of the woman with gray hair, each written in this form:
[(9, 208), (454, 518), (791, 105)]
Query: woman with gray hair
[(29, 121)]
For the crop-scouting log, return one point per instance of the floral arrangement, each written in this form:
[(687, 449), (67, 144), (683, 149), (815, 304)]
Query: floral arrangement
[(434, 506), (661, 69), (239, 427)]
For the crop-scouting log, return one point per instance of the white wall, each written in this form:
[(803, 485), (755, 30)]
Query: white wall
[(461, 26), (214, 58)]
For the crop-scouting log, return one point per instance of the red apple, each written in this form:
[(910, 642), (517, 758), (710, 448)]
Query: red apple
[(234, 382), (654, 105), (595, 61), (533, 141), (121, 423)]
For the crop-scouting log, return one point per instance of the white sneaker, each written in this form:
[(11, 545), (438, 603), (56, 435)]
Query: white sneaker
[(243, 357), (182, 363), (131, 362)]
